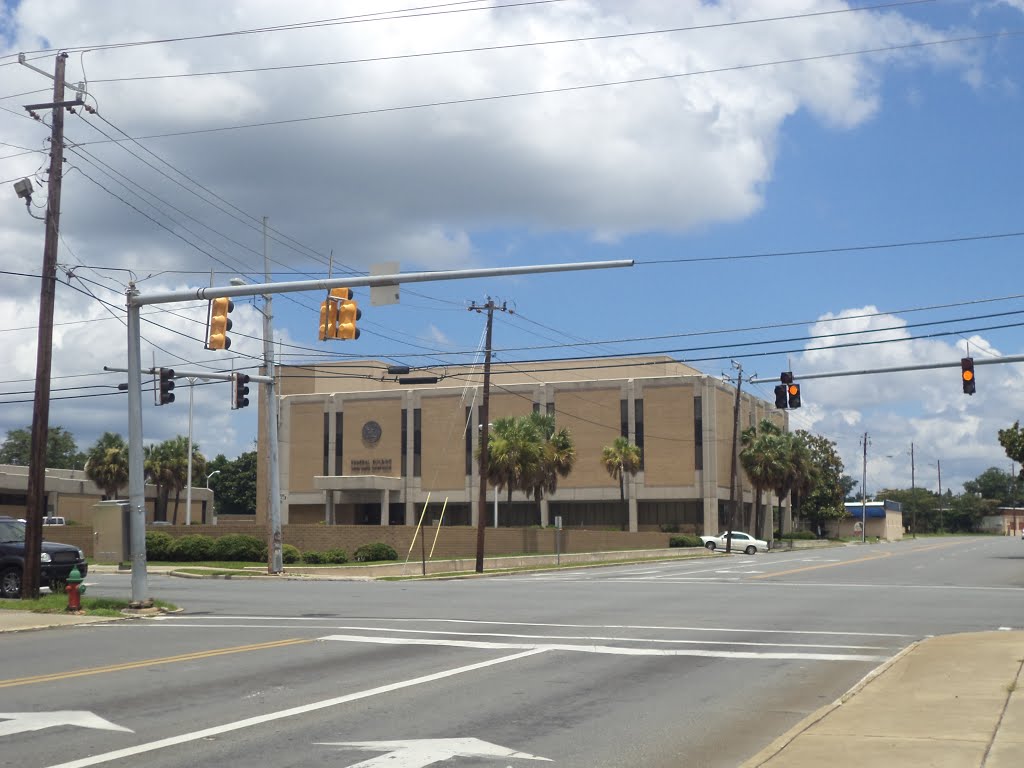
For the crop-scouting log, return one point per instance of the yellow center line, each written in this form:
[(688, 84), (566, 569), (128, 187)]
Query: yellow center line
[(149, 662), (851, 562)]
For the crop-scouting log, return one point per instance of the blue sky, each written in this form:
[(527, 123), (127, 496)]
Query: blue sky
[(910, 144)]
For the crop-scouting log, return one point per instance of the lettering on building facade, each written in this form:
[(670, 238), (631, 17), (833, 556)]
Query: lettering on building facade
[(370, 467)]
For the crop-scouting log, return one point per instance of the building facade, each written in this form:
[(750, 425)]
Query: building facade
[(357, 447)]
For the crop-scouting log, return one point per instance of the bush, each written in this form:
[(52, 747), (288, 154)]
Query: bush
[(685, 540), (314, 558), (336, 556), (370, 553), (799, 535), (239, 547), (158, 545), (290, 554), (192, 548)]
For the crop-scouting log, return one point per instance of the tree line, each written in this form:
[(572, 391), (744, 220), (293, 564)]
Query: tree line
[(165, 465)]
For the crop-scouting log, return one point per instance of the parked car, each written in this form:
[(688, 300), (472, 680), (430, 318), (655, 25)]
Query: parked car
[(56, 560), (54, 521), (741, 542)]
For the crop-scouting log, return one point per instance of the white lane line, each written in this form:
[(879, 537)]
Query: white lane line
[(249, 722), (480, 622), (605, 638), (606, 649)]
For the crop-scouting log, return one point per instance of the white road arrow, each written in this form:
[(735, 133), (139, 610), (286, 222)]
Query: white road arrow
[(19, 722), (423, 752)]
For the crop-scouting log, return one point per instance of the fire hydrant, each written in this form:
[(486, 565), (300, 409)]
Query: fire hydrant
[(75, 590)]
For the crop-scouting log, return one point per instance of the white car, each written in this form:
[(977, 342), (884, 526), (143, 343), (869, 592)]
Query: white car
[(741, 542)]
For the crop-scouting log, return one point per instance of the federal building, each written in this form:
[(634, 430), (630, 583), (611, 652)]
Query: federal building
[(357, 446)]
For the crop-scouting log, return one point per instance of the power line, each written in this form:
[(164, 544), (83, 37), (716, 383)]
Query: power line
[(513, 46), (408, 13), (582, 87)]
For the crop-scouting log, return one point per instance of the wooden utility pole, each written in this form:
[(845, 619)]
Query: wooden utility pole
[(36, 496), (481, 521)]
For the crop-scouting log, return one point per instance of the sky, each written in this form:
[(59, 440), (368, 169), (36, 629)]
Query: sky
[(805, 185)]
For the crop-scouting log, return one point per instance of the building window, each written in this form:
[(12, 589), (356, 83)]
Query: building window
[(417, 443), (327, 443), (624, 418), (551, 409), (405, 441), (469, 441), (698, 433), (339, 420), (638, 408), (536, 407)]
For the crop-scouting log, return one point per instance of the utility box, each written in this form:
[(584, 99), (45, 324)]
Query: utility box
[(110, 525)]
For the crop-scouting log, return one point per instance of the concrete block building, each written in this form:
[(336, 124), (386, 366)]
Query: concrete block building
[(358, 447)]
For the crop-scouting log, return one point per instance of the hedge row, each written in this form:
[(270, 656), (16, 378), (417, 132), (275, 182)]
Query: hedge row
[(685, 540), (237, 547)]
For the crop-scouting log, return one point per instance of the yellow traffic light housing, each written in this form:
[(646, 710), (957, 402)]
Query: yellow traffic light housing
[(967, 375), (219, 324), (338, 315)]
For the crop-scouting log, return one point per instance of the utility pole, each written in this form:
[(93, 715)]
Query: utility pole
[(864, 492), (275, 545), (734, 475), (36, 494), (913, 488), (942, 517), (481, 521), (188, 482)]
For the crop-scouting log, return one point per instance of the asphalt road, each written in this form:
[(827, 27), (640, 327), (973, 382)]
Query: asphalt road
[(688, 663)]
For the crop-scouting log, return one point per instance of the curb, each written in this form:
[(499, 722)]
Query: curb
[(783, 741)]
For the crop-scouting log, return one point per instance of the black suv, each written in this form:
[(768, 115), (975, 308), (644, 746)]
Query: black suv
[(57, 560)]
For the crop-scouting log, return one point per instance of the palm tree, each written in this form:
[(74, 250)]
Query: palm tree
[(763, 459), (157, 465), (513, 454), (107, 464), (557, 458), (621, 458)]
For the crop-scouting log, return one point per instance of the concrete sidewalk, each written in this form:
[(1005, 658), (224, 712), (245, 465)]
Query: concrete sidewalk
[(17, 621), (955, 700)]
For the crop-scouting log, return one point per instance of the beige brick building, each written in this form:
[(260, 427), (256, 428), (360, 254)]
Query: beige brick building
[(357, 447)]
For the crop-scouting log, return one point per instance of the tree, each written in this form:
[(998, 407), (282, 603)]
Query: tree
[(818, 495), (557, 455), (621, 458), (1012, 440), (107, 464), (166, 466), (61, 450), (234, 487), (919, 507), (514, 454), (993, 483), (764, 459)]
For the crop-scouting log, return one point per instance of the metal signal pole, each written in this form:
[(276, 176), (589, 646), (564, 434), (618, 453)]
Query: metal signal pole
[(734, 480), (36, 494)]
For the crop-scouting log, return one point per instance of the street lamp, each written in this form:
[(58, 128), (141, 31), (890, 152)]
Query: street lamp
[(215, 472)]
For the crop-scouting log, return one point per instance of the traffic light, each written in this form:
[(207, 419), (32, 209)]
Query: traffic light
[(338, 315), (967, 374), (348, 313), (793, 393), (240, 399), (220, 323), (781, 400), (166, 385)]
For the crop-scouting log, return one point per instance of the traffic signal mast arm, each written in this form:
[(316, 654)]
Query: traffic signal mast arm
[(898, 369), (180, 373)]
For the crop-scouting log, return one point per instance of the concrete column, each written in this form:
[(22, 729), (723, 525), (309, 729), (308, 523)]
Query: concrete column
[(634, 525), (787, 517), (329, 512), (545, 513), (709, 475), (385, 506), (410, 510)]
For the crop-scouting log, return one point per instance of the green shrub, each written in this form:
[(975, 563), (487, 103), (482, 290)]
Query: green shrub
[(192, 548), (336, 556), (371, 553), (314, 558), (685, 540), (799, 535), (158, 545), (239, 547), (290, 554)]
